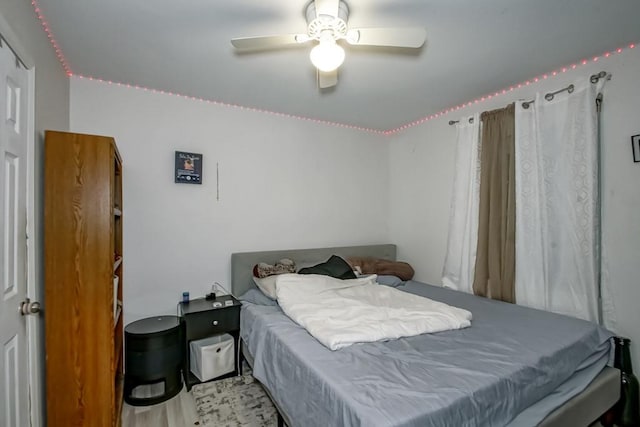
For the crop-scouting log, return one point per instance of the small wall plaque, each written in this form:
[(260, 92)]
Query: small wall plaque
[(188, 168)]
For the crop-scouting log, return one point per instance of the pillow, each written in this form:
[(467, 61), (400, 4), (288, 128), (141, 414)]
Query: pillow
[(334, 267), (267, 285), (285, 265), (254, 296), (389, 280)]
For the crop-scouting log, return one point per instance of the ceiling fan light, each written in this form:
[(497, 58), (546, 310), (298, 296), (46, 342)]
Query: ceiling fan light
[(327, 56)]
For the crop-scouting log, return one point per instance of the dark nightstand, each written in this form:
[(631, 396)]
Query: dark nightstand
[(201, 320)]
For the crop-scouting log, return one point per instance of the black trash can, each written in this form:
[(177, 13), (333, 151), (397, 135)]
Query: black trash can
[(153, 354)]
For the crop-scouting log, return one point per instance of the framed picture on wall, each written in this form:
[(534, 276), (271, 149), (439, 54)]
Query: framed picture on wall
[(188, 168), (635, 147)]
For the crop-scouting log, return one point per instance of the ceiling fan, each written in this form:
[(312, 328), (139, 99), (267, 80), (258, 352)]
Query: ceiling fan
[(327, 24)]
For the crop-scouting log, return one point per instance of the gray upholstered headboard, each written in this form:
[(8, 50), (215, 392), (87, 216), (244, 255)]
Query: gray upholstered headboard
[(242, 263)]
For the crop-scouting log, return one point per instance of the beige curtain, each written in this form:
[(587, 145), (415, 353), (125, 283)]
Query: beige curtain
[(495, 259)]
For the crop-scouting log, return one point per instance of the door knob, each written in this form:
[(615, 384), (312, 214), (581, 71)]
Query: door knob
[(29, 307)]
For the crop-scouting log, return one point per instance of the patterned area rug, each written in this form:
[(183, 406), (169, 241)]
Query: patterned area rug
[(234, 402)]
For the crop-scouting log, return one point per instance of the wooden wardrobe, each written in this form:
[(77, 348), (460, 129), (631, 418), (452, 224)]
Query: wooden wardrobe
[(83, 280)]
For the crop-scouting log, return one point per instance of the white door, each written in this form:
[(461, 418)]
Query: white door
[(14, 383)]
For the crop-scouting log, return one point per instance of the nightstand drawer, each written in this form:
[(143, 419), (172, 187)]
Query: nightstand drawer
[(207, 323)]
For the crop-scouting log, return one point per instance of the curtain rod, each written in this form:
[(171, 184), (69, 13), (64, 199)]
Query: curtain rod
[(453, 122), (549, 96)]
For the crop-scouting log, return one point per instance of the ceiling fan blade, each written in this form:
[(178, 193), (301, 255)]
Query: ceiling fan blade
[(394, 37), (327, 7), (327, 79), (268, 42)]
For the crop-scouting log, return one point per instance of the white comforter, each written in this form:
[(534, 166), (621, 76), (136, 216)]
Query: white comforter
[(339, 313)]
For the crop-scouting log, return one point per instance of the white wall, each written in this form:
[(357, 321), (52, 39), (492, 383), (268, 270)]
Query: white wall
[(421, 176), (284, 183), (421, 171)]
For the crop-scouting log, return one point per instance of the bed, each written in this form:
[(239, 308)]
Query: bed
[(514, 366)]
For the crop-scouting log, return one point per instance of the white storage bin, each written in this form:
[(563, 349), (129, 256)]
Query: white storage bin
[(212, 357)]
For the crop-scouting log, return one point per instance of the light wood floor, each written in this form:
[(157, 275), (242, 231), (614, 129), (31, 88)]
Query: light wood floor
[(179, 411)]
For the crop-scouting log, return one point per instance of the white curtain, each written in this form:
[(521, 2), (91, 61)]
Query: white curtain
[(557, 218), (462, 242)]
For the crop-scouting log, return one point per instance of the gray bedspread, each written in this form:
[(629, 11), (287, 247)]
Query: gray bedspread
[(512, 367)]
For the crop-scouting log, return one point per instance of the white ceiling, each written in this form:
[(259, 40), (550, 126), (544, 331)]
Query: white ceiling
[(474, 48)]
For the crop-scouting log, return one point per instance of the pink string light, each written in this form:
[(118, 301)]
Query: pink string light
[(52, 40), (70, 73), (229, 105), (511, 88)]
